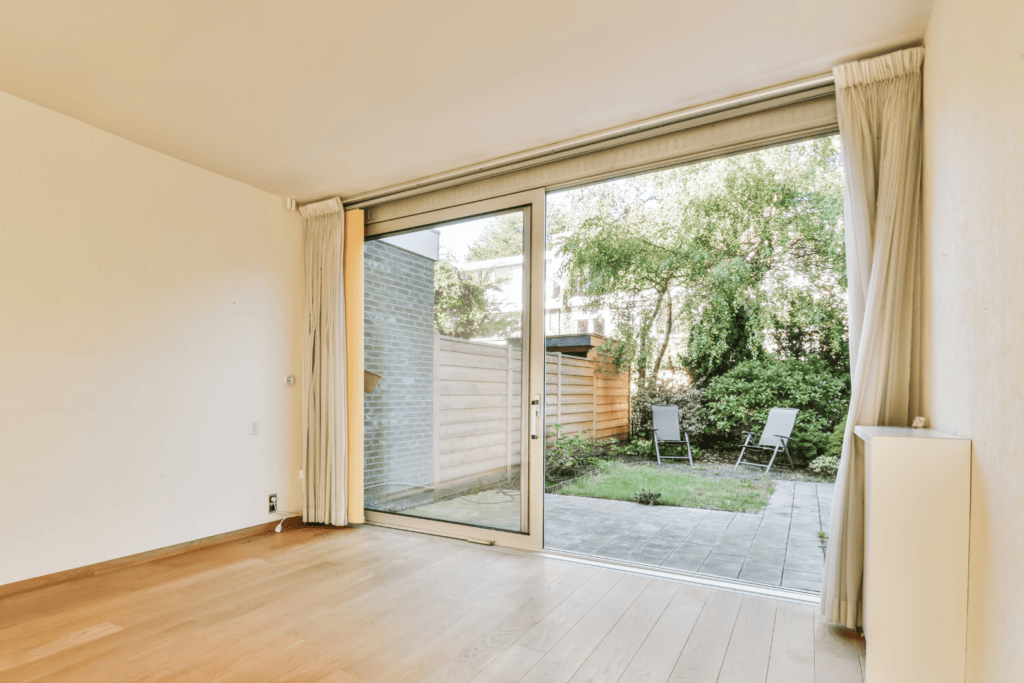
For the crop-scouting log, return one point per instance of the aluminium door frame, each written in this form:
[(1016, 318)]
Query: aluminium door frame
[(532, 203)]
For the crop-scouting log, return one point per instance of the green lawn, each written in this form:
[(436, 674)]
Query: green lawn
[(619, 481)]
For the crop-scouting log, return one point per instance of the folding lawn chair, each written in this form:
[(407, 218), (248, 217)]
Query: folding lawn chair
[(666, 431), (775, 435)]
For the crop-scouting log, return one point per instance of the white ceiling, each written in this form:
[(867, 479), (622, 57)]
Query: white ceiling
[(311, 98)]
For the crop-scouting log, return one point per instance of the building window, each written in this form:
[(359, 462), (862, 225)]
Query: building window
[(553, 322)]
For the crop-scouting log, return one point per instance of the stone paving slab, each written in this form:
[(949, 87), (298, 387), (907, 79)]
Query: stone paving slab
[(778, 546)]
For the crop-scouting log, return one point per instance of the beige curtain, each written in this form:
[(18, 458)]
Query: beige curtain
[(324, 404), (879, 107)]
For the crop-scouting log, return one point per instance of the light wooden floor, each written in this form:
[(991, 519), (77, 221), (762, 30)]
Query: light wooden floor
[(373, 604)]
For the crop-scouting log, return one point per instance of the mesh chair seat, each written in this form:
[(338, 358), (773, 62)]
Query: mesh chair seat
[(666, 431)]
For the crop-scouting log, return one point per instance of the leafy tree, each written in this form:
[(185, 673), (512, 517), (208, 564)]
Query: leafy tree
[(804, 327), (464, 306), (724, 336), (716, 263), (504, 238), (620, 256)]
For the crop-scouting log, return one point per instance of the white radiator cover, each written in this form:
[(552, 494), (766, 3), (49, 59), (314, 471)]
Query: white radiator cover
[(917, 528)]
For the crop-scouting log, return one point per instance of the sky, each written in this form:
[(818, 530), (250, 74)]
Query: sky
[(456, 238)]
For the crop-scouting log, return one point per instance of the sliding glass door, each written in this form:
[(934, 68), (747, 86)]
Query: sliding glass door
[(449, 331)]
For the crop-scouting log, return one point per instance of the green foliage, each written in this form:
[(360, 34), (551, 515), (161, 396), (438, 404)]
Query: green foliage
[(572, 455), (705, 264), (804, 327), (645, 497), (723, 337), (827, 465), (634, 448), (740, 400), (835, 442), (504, 239), (648, 392), (463, 306)]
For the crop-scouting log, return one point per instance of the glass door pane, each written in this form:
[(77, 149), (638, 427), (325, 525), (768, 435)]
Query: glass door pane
[(444, 322)]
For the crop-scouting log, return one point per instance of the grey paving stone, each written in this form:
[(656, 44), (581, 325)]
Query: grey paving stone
[(659, 545), (717, 556), (800, 584), (771, 576), (728, 570), (672, 536), (614, 553), (625, 542), (805, 576), (682, 564), (645, 559), (765, 560), (693, 551), (651, 553), (646, 528)]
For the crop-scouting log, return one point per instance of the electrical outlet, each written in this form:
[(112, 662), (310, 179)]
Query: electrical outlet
[(273, 502), (254, 428)]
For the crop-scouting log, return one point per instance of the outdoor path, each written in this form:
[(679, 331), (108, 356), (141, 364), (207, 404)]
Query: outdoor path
[(779, 546)]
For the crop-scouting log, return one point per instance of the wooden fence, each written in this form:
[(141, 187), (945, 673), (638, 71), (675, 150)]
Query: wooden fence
[(478, 408)]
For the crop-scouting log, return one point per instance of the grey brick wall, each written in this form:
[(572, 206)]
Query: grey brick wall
[(399, 345)]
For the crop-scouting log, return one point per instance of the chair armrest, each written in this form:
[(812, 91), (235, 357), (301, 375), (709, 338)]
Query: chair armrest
[(780, 436), (752, 434)]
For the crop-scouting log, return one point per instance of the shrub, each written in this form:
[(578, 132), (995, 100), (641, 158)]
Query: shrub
[(572, 455), (740, 400), (635, 448), (827, 465), (645, 497), (835, 442), (692, 416)]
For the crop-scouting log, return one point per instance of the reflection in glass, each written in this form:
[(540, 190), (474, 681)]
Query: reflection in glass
[(443, 326)]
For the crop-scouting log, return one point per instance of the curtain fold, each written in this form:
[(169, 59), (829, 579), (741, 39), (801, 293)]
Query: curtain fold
[(880, 120), (324, 404)]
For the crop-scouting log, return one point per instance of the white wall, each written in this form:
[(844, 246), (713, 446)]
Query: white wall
[(149, 311), (974, 307)]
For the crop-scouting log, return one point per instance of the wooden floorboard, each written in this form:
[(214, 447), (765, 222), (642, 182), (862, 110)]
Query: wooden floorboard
[(374, 605), (746, 658), (792, 653)]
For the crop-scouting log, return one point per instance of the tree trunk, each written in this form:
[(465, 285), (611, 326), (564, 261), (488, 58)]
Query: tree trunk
[(641, 371), (668, 332)]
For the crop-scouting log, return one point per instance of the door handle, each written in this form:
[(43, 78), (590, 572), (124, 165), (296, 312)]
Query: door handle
[(535, 417)]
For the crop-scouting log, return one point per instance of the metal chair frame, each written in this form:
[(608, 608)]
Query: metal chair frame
[(769, 442)]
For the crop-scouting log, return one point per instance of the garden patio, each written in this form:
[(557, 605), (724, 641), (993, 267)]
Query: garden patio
[(779, 546)]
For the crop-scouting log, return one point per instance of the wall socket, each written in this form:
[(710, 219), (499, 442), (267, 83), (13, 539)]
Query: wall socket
[(273, 502), (254, 428)]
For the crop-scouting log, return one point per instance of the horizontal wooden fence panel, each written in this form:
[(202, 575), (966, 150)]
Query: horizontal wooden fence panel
[(479, 416)]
